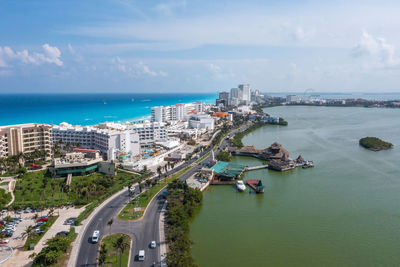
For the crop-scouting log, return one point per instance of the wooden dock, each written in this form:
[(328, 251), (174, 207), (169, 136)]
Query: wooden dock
[(256, 185), (219, 182), (256, 168)]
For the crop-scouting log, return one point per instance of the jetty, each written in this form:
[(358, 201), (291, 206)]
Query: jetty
[(256, 185), (256, 168)]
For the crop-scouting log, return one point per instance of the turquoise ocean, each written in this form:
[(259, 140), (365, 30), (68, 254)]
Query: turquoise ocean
[(87, 109)]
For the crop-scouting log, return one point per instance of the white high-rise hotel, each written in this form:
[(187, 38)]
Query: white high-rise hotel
[(178, 112), (240, 94)]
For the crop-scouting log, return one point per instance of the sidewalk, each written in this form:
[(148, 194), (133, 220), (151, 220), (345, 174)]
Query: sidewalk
[(163, 242)]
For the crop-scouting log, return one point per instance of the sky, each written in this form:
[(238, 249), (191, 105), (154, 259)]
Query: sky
[(148, 46)]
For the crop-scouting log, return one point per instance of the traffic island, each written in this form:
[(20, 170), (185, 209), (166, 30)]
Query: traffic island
[(114, 250)]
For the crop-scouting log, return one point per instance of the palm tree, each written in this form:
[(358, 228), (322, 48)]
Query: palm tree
[(109, 223), (121, 244), (29, 232), (103, 254), (159, 170)]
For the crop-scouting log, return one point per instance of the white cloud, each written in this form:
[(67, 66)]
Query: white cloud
[(167, 9), (136, 69), (377, 47), (218, 72), (51, 55)]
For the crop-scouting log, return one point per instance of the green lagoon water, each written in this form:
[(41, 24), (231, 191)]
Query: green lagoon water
[(343, 212)]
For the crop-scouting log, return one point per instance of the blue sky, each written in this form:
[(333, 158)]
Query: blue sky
[(199, 46)]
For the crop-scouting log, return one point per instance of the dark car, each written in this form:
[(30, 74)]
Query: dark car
[(42, 219), (63, 233)]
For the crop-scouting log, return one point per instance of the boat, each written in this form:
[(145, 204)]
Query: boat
[(308, 164), (240, 185)]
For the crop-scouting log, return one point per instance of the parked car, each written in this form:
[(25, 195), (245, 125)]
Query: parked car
[(10, 228), (42, 219), (70, 221), (4, 242), (8, 233), (39, 231), (40, 223), (62, 233)]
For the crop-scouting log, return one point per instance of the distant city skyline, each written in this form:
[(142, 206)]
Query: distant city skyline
[(175, 46)]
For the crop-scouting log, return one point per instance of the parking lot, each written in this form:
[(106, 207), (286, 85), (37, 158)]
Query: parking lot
[(21, 257)]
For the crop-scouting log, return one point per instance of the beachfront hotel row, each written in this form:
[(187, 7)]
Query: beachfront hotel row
[(110, 139)]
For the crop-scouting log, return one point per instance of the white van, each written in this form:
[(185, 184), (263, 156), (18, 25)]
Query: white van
[(95, 236), (141, 255)]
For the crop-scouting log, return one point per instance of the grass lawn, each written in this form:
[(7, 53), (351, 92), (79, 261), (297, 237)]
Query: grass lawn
[(113, 254), (4, 198), (63, 260), (38, 189), (140, 203), (36, 238)]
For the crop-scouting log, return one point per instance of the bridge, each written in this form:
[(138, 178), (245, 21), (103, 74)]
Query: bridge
[(256, 167)]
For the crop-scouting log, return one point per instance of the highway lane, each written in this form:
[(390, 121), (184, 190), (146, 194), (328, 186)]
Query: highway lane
[(142, 231)]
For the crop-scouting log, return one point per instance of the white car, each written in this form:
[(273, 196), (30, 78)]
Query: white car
[(95, 236), (141, 255), (153, 244)]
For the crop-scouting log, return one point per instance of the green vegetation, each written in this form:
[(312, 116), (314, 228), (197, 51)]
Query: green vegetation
[(89, 208), (141, 202), (38, 189), (282, 122), (182, 201), (375, 144), (33, 238), (14, 172), (237, 139), (5, 198), (224, 156), (54, 253), (14, 165), (114, 250)]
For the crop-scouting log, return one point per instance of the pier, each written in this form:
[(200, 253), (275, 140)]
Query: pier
[(256, 185), (256, 167)]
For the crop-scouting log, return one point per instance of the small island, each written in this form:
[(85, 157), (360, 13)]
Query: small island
[(374, 143)]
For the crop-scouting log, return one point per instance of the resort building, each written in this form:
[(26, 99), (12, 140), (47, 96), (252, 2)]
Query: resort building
[(178, 112), (110, 142), (293, 99), (149, 132), (81, 161), (245, 92), (25, 138), (201, 121)]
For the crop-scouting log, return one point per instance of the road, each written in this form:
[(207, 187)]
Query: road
[(142, 231)]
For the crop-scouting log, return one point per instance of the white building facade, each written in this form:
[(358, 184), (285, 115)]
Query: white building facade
[(201, 121), (178, 112), (110, 142)]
